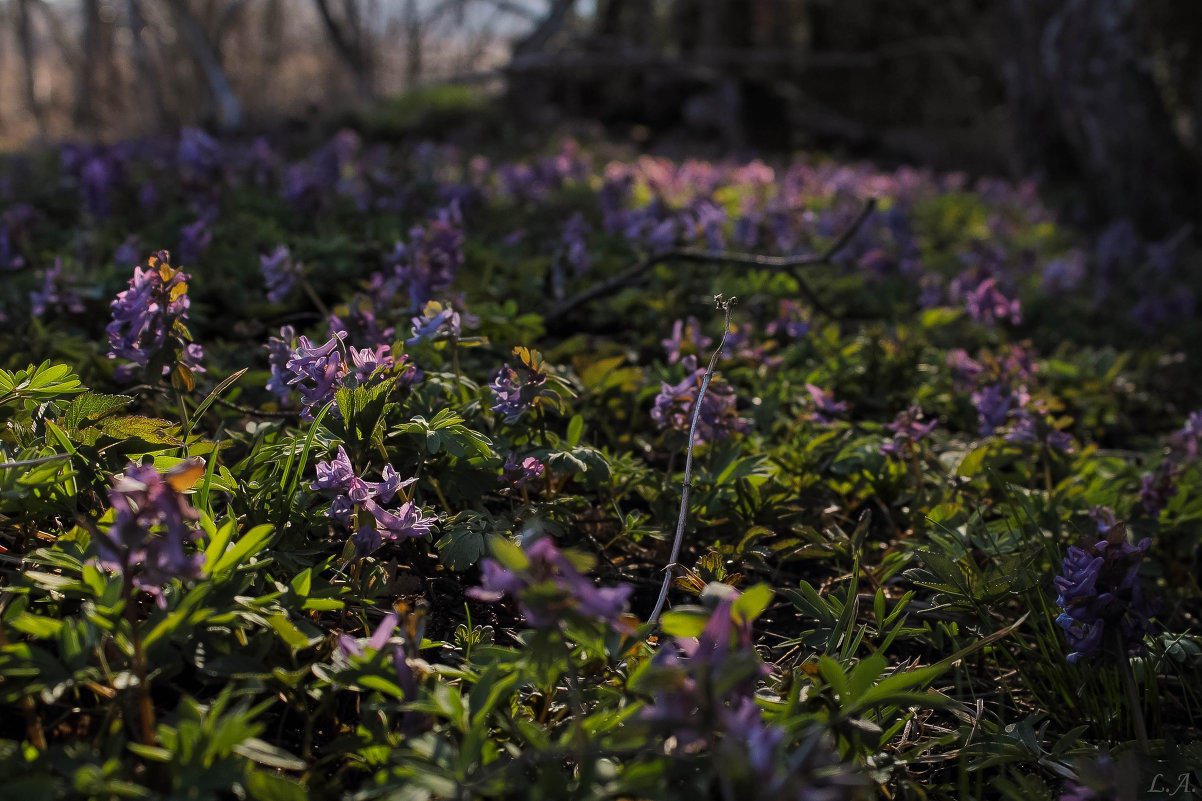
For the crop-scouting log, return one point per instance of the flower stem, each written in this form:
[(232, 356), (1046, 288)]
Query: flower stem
[(728, 306)]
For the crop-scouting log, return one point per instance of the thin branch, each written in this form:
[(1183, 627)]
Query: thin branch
[(792, 264), (728, 306)]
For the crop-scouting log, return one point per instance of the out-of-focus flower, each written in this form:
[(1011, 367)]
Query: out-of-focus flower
[(199, 155), (687, 339), (790, 321), (515, 474), (1100, 593), (148, 536), (825, 406), (427, 265), (1065, 274), (355, 501), (1186, 443), (55, 292), (993, 403), (908, 430), (279, 353), (129, 251), (1156, 490), (548, 586), (717, 418), (575, 233), (148, 318), (986, 304), (194, 240), (1030, 427), (279, 272)]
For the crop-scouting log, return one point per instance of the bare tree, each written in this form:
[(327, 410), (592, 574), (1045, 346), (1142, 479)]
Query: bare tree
[(349, 35), (208, 57), (24, 26)]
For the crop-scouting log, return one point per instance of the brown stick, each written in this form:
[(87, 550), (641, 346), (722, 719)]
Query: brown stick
[(791, 264)]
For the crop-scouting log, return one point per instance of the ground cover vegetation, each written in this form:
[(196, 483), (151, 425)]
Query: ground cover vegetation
[(356, 471)]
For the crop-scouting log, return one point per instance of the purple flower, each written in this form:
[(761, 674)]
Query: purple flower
[(686, 339), (907, 430), (986, 303), (519, 390), (428, 264), (128, 252), (1156, 490), (151, 527), (790, 321), (194, 239), (95, 181), (1065, 274), (350, 646), (150, 313), (279, 273), (717, 418), (575, 231), (825, 407), (54, 292), (439, 321), (198, 154), (549, 587), (354, 497), (1100, 593), (516, 474), (317, 371), (709, 680), (279, 353), (1186, 443), (993, 407)]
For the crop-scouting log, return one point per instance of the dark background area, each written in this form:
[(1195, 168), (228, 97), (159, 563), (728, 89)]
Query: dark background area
[(1101, 101)]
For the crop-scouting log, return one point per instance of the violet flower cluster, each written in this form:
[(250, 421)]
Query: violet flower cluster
[(686, 340), (1100, 593), (148, 318), (704, 697), (319, 370), (908, 430), (717, 418), (55, 293), (518, 390), (549, 587), (148, 539), (427, 265), (516, 474), (826, 408), (1185, 444), (359, 504), (440, 321), (279, 272)]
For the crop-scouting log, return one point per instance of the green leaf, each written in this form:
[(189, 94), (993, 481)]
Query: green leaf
[(575, 430), (461, 547), (264, 786), (265, 753), (92, 406), (509, 554), (247, 545), (752, 603), (147, 429), (684, 622), (971, 464)]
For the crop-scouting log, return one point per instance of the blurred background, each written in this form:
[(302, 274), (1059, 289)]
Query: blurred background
[(1101, 96)]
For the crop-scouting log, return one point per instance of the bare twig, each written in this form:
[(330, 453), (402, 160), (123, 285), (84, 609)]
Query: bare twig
[(728, 306), (791, 264)]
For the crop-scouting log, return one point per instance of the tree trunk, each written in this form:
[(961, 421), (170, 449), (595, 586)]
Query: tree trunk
[(1084, 102), (29, 57), (229, 110)]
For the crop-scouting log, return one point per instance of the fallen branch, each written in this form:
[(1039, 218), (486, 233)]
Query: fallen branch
[(791, 264)]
